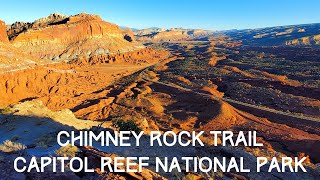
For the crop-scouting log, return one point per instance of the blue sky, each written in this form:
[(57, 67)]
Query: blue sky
[(205, 14)]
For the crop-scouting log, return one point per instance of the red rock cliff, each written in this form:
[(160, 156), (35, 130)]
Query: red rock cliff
[(3, 33), (82, 35)]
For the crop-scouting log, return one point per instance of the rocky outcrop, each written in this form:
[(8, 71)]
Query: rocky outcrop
[(128, 35), (12, 58), (63, 85), (148, 31), (63, 38), (143, 56), (3, 34), (52, 19), (174, 34), (17, 28), (292, 35), (309, 40)]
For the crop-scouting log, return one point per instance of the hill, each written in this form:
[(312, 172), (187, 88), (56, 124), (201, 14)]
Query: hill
[(3, 34), (308, 40), (61, 38), (173, 34), (12, 58), (303, 34)]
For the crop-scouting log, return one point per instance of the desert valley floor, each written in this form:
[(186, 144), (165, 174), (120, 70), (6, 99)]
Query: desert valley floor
[(194, 81)]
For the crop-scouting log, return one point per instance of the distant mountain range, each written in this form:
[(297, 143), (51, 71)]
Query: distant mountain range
[(173, 34), (290, 35), (293, 35), (64, 38)]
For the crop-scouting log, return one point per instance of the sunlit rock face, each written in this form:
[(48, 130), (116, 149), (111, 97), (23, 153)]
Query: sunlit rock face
[(3, 34), (67, 38)]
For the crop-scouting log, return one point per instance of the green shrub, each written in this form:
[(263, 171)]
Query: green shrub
[(122, 125), (67, 151)]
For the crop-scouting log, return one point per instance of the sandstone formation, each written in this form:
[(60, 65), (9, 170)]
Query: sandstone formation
[(174, 34), (142, 56), (293, 35), (12, 58), (3, 34), (63, 38), (308, 40), (61, 84), (110, 77), (128, 35), (17, 28), (52, 19), (147, 31)]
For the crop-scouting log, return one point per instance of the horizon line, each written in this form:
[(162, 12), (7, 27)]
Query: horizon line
[(125, 26)]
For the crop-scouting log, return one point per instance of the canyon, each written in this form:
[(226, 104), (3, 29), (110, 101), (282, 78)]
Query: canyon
[(79, 72)]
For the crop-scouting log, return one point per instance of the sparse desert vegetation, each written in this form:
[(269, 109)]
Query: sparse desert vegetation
[(67, 151), (9, 146), (159, 80), (122, 125)]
